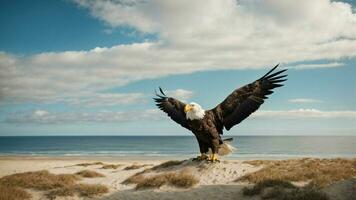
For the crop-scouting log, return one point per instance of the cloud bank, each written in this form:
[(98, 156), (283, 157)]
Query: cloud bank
[(192, 36), (46, 117), (317, 66), (304, 100)]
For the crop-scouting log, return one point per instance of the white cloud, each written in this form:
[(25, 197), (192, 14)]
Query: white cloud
[(181, 94), (46, 117), (106, 99), (304, 114), (192, 36), (40, 113), (304, 100), (317, 66)]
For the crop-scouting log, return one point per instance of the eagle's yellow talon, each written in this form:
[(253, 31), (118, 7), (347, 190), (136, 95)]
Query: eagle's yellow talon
[(202, 157), (214, 158)]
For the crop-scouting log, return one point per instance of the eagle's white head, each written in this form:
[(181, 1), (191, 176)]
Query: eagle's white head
[(194, 111)]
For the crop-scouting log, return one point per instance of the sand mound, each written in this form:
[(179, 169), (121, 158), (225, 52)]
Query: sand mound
[(205, 172)]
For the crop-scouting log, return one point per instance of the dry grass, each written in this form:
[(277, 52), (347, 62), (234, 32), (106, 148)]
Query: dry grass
[(89, 174), (183, 180), (178, 179), (135, 166), (283, 190), (111, 166), (320, 172), (62, 192), (89, 164), (13, 193), (304, 193), (155, 181), (88, 190), (168, 164), (134, 179), (56, 185), (258, 162), (256, 189), (41, 180), (84, 190)]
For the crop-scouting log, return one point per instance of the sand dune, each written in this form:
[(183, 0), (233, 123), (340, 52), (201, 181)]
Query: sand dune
[(161, 179)]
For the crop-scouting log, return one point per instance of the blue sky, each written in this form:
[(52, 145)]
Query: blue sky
[(91, 67)]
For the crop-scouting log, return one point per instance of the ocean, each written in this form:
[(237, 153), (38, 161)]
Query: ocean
[(166, 147)]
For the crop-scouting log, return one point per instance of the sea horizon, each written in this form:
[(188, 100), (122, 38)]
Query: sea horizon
[(165, 147)]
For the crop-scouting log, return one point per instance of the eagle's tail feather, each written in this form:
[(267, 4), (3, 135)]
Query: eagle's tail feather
[(225, 148)]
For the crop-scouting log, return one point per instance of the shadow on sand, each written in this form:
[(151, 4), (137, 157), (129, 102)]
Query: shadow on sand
[(205, 192)]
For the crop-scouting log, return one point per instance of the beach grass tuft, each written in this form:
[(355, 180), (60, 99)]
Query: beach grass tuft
[(41, 180), (89, 174), (304, 193), (134, 179), (90, 190), (183, 180), (168, 164), (283, 190), (111, 166), (54, 184), (178, 179), (61, 192), (258, 162), (135, 166), (318, 172), (256, 189), (89, 164), (84, 190), (13, 193)]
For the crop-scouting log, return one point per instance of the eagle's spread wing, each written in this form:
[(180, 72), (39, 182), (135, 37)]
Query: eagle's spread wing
[(173, 107), (247, 99)]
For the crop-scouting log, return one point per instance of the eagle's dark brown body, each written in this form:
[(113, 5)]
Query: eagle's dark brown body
[(206, 132), (235, 108)]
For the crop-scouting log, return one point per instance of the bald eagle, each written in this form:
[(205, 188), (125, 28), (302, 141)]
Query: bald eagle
[(208, 125)]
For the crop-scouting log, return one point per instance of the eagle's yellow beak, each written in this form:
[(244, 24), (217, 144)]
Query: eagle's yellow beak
[(188, 108)]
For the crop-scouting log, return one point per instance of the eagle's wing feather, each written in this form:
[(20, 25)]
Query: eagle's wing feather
[(173, 107), (247, 99)]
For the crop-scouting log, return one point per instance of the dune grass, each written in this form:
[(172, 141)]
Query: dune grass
[(304, 193), (53, 184), (89, 164), (90, 190), (259, 162), (62, 192), (135, 166), (41, 180), (182, 179), (256, 189), (320, 172), (104, 166), (84, 190), (168, 164), (89, 174), (134, 179), (177, 179), (111, 166), (139, 177), (13, 193), (283, 190)]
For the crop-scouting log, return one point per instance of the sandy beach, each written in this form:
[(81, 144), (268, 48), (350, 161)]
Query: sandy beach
[(205, 180)]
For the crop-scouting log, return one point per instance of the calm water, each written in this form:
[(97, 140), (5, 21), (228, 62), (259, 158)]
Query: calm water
[(179, 146)]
